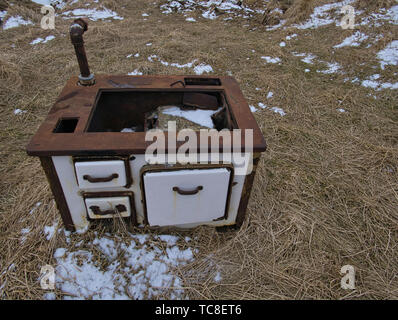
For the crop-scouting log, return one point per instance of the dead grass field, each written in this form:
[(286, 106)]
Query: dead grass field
[(326, 190)]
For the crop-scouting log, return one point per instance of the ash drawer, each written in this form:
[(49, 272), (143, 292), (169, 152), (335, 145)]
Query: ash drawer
[(101, 174), (175, 197), (108, 207)]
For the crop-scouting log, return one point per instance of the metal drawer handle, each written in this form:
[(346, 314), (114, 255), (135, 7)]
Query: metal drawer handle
[(187, 192), (105, 179), (119, 208)]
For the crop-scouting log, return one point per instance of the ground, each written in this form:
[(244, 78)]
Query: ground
[(326, 190)]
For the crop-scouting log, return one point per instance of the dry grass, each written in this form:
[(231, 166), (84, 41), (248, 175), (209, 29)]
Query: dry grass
[(371, 5), (292, 10), (326, 191)]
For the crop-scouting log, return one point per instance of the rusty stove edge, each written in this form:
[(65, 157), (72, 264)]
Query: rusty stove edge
[(46, 143)]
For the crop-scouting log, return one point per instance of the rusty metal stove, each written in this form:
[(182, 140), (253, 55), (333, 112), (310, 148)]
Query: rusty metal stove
[(97, 172)]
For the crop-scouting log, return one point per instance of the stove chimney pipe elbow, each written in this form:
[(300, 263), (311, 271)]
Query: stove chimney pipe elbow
[(79, 26)]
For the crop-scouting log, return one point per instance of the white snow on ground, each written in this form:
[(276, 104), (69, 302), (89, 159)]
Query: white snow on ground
[(377, 19), (278, 110), (16, 21), (324, 15), (353, 41), (49, 296), (190, 19), (50, 230), (389, 55), (141, 269), (270, 95), (3, 14), (199, 116), (170, 240), (373, 83), (308, 57), (274, 109), (207, 8), (44, 2), (277, 26), (217, 277), (131, 55), (331, 68), (19, 111), (282, 44), (198, 69), (290, 37), (135, 73), (60, 4), (262, 105), (202, 68), (253, 108), (92, 14), (41, 40), (271, 60), (341, 110), (209, 14)]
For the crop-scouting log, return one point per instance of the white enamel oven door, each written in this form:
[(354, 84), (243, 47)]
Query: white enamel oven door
[(175, 197)]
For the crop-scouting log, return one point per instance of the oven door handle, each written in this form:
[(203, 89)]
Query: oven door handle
[(104, 179), (187, 192), (118, 209)]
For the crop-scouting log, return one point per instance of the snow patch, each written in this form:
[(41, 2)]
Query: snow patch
[(19, 111), (145, 272), (50, 230), (92, 14), (278, 110), (16, 21), (217, 277), (353, 41), (198, 69), (389, 55), (373, 83), (135, 73), (202, 68), (377, 19), (199, 116), (252, 108), (271, 60), (41, 40), (323, 16), (331, 68)]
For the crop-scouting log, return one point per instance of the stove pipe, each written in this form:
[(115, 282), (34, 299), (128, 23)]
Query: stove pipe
[(79, 26)]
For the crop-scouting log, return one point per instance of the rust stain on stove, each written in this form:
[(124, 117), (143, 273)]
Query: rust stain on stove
[(67, 96)]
